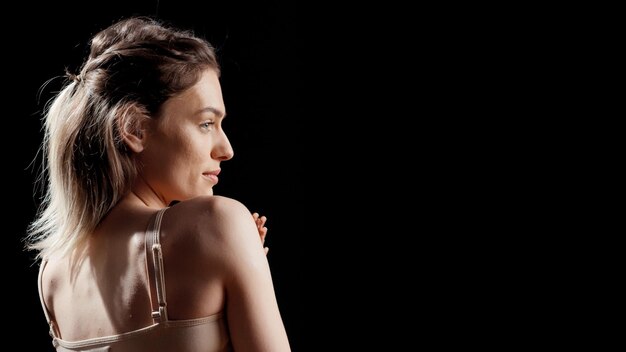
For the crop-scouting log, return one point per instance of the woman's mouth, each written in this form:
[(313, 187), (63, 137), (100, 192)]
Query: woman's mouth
[(212, 175)]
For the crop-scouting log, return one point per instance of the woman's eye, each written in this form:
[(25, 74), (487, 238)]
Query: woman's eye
[(207, 125)]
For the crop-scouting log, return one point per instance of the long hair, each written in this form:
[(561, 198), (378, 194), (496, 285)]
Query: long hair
[(133, 67)]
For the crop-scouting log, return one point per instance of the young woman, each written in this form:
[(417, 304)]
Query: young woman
[(137, 253)]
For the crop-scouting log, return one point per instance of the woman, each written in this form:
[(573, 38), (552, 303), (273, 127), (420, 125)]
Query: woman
[(137, 254)]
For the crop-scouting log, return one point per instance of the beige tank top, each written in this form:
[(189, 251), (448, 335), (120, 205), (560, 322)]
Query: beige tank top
[(207, 334)]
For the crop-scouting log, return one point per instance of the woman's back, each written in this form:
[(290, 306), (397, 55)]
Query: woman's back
[(107, 292)]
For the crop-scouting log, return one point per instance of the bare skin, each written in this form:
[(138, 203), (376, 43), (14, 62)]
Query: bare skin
[(214, 254)]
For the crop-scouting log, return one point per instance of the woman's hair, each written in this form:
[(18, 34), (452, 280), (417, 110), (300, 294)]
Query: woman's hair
[(132, 68)]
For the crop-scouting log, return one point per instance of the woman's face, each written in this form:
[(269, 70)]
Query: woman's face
[(185, 144)]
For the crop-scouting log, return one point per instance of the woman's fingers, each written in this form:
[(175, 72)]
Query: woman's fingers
[(260, 225)]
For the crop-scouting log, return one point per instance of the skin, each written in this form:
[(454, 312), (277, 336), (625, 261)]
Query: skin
[(212, 247)]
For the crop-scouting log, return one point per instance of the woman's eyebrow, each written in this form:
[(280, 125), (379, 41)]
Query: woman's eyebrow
[(214, 111)]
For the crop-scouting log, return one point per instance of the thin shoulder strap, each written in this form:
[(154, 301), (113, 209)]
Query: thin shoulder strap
[(154, 263), (54, 333)]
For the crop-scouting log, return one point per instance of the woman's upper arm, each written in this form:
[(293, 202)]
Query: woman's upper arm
[(252, 312)]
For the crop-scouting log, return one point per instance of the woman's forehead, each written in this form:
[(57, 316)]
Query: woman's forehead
[(203, 97)]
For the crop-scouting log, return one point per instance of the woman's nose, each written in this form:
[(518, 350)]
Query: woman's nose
[(223, 150)]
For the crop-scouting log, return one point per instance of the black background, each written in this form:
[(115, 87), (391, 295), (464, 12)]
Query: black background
[(256, 48)]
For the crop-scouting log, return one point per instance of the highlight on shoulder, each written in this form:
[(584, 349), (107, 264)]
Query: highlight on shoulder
[(211, 213), (212, 206), (213, 227)]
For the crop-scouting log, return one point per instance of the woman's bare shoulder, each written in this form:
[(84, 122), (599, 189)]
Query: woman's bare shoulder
[(211, 232), (208, 211), (210, 218), (214, 203)]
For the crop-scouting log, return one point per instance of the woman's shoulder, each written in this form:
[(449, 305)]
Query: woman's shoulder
[(216, 217), (208, 210), (211, 232), (211, 203)]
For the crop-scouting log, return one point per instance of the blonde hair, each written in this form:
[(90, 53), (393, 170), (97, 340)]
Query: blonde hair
[(133, 67)]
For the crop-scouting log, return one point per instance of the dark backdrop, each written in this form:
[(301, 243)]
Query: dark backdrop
[(256, 47)]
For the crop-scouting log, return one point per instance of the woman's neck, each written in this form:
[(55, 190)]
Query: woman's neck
[(143, 194)]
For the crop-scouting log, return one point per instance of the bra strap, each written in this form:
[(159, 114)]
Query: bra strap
[(156, 273), (54, 332)]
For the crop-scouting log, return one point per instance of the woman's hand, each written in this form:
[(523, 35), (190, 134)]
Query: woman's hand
[(260, 225)]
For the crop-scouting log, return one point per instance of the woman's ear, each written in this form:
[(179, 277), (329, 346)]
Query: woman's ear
[(133, 129)]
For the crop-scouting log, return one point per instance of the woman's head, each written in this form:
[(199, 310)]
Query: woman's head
[(138, 61), (133, 68), (180, 151)]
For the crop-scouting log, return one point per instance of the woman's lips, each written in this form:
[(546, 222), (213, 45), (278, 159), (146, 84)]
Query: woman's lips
[(212, 175)]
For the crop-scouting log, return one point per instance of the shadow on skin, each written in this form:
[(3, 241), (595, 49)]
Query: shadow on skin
[(118, 267)]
